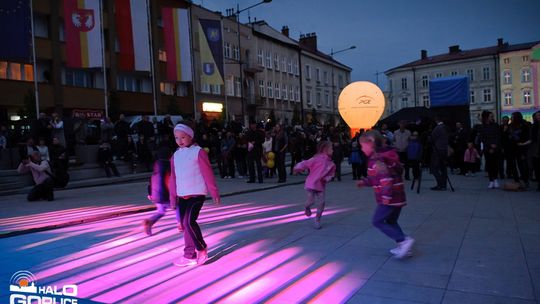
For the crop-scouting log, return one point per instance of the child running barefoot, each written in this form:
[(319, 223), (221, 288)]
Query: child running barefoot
[(384, 175), (191, 179), (321, 171)]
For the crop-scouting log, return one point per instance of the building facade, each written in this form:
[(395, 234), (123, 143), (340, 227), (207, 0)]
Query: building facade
[(323, 78), (519, 80), (408, 85)]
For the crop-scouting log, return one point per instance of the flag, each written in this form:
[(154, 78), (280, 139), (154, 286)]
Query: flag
[(176, 33), (83, 33), (132, 28), (210, 45), (15, 31)]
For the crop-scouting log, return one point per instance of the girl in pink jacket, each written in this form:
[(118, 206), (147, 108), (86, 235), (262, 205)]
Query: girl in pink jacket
[(321, 171)]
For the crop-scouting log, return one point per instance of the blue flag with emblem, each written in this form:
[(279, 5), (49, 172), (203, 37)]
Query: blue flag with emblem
[(210, 41), (15, 32)]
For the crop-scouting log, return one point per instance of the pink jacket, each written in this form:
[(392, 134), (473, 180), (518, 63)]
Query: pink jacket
[(471, 155), (321, 170)]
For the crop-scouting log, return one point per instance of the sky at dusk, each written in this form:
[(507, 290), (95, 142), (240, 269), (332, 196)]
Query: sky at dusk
[(389, 33)]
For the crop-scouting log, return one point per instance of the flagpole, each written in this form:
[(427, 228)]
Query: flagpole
[(223, 64), (151, 44), (105, 89), (36, 89), (192, 66)]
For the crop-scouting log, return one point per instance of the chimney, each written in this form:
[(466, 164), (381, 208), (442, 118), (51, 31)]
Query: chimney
[(500, 42), (423, 54), (454, 49), (309, 41), (285, 30)]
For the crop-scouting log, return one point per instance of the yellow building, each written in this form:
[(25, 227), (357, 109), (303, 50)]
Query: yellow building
[(519, 79)]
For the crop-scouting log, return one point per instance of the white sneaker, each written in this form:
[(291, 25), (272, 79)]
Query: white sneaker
[(491, 185), (496, 184), (404, 248), (185, 262)]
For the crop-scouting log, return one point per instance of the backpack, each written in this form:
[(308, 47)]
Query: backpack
[(60, 177)]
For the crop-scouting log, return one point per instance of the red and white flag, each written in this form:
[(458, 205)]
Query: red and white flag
[(176, 31), (83, 33), (132, 28)]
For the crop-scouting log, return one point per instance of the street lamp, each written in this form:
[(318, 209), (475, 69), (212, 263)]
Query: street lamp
[(237, 15), (332, 53)]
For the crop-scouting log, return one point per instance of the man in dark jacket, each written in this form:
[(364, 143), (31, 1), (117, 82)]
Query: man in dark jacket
[(255, 137), (439, 141)]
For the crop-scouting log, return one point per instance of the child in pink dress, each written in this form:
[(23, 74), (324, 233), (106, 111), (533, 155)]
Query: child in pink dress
[(321, 171), (470, 158)]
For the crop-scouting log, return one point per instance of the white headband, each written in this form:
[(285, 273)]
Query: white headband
[(185, 129)]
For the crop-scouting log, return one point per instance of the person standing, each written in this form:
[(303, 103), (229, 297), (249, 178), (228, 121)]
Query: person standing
[(439, 141), (122, 130), (281, 142), (58, 129), (535, 147), (489, 138), (255, 138), (519, 143), (401, 141), (191, 179)]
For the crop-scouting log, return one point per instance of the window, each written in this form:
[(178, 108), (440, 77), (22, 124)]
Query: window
[(237, 86), (526, 96), (227, 50), (438, 75), (270, 89), (526, 75), (135, 84), (525, 58), (283, 64), (425, 100), (291, 93), (308, 72), (296, 69), (205, 87), (340, 81), (268, 60), (507, 98), (506, 60), (79, 78), (487, 95), (471, 96), (260, 57), (262, 90), (297, 93), (318, 74), (289, 67), (277, 94), (390, 84), (425, 81), (325, 77), (404, 83), (229, 85), (41, 26), (16, 71), (327, 99), (308, 97), (319, 99), (404, 102), (166, 88), (216, 89), (236, 52), (507, 77), (276, 62), (470, 74), (453, 73), (284, 92), (486, 73), (162, 55)]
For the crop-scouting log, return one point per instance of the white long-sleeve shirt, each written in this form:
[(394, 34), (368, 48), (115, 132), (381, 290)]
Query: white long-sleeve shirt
[(38, 171)]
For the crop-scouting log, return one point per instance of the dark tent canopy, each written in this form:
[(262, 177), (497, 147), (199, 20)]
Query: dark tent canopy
[(410, 115)]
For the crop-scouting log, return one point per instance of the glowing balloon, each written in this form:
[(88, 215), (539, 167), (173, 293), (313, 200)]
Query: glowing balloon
[(271, 155), (206, 149), (361, 104), (270, 164)]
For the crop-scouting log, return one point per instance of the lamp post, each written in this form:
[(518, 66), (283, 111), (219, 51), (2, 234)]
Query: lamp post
[(237, 15), (332, 53)]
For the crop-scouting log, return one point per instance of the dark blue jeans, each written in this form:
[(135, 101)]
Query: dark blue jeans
[(189, 213), (385, 219)]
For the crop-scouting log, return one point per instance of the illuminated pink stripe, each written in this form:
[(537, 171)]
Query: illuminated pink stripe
[(300, 290), (341, 290)]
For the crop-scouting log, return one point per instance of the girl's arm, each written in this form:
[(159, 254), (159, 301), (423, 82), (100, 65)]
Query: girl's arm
[(331, 172), (301, 166), (208, 175)]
